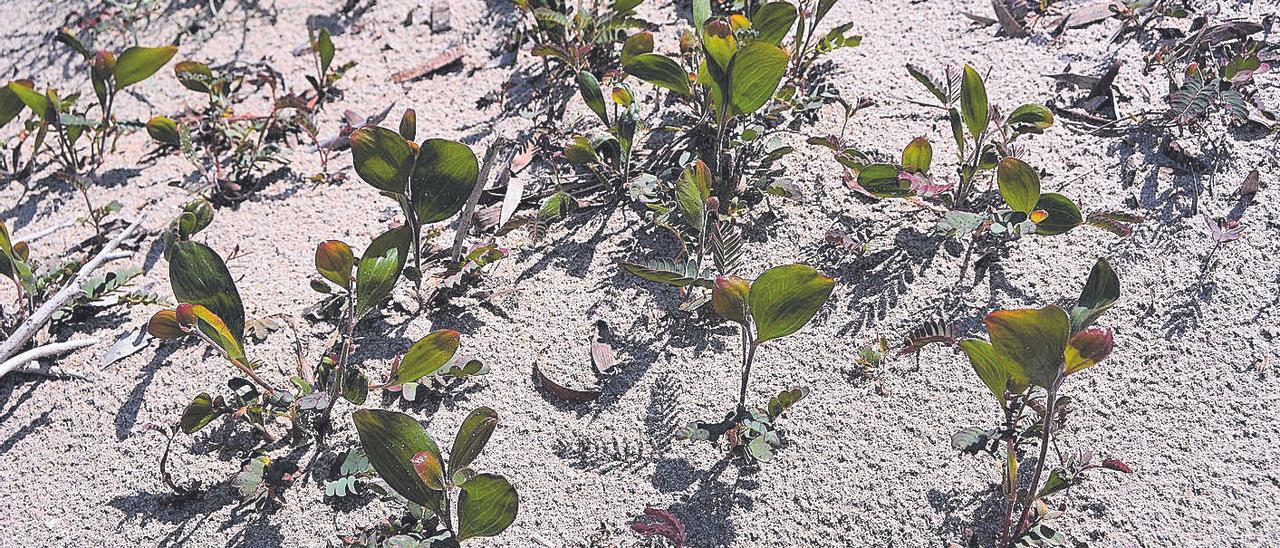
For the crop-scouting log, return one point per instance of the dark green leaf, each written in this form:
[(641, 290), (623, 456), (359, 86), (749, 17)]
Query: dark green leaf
[(754, 74), (973, 101), (391, 439), (1099, 293), (198, 276), (199, 413), (380, 268), (472, 437), (785, 298), (659, 70), (382, 158), (589, 87), (1063, 215), (487, 505), (442, 180), (773, 21)]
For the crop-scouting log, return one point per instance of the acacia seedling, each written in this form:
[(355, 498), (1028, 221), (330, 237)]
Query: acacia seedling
[(1031, 353), (410, 461), (60, 116), (778, 303), (431, 181)]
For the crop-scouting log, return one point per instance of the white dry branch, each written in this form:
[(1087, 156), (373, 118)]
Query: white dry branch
[(9, 355)]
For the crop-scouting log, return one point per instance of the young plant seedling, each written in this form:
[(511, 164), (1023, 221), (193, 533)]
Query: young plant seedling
[(431, 182), (709, 246), (1031, 353), (778, 303), (60, 116), (229, 150), (408, 459), (735, 70)]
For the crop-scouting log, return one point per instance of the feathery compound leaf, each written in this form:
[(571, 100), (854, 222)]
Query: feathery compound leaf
[(932, 331), (930, 83), (1192, 100), (671, 272), (1115, 222)]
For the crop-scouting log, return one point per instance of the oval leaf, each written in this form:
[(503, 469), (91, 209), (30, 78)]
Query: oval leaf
[(427, 356), (443, 177), (382, 158), (785, 298), (659, 70), (1099, 293), (998, 373), (973, 101), (380, 268), (138, 63), (1019, 184), (1062, 214), (773, 21), (589, 87), (754, 75), (918, 155), (391, 440), (472, 437), (1033, 339), (487, 505), (334, 261), (198, 275)]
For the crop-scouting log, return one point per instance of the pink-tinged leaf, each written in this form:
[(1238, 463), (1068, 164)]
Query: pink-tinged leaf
[(1117, 465), (1087, 348), (660, 523), (430, 469)]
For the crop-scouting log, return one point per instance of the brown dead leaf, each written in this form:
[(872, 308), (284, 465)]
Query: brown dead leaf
[(444, 59)]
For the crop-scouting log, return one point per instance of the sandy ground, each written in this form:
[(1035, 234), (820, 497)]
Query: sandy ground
[(1187, 399)]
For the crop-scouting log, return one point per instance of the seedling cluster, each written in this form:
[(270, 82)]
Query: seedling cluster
[(689, 137)]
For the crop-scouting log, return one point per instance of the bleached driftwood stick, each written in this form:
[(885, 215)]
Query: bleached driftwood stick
[(19, 363), (41, 316)]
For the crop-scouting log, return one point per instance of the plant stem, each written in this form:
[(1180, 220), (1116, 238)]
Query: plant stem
[(1046, 432), (348, 340), (748, 356)]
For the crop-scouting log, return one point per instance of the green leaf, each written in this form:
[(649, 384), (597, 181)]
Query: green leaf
[(1063, 215), (589, 87), (10, 105), (785, 298), (659, 70), (427, 356), (997, 372), (693, 188), (198, 275), (472, 437), (391, 439), (36, 101), (487, 505), (882, 180), (138, 63), (918, 155), (164, 131), (199, 413), (729, 298), (324, 47), (382, 158), (973, 101), (409, 124), (1030, 118), (380, 268), (216, 329), (773, 21), (1019, 184), (1099, 293), (929, 83), (1034, 339), (754, 74), (442, 180), (194, 75)]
